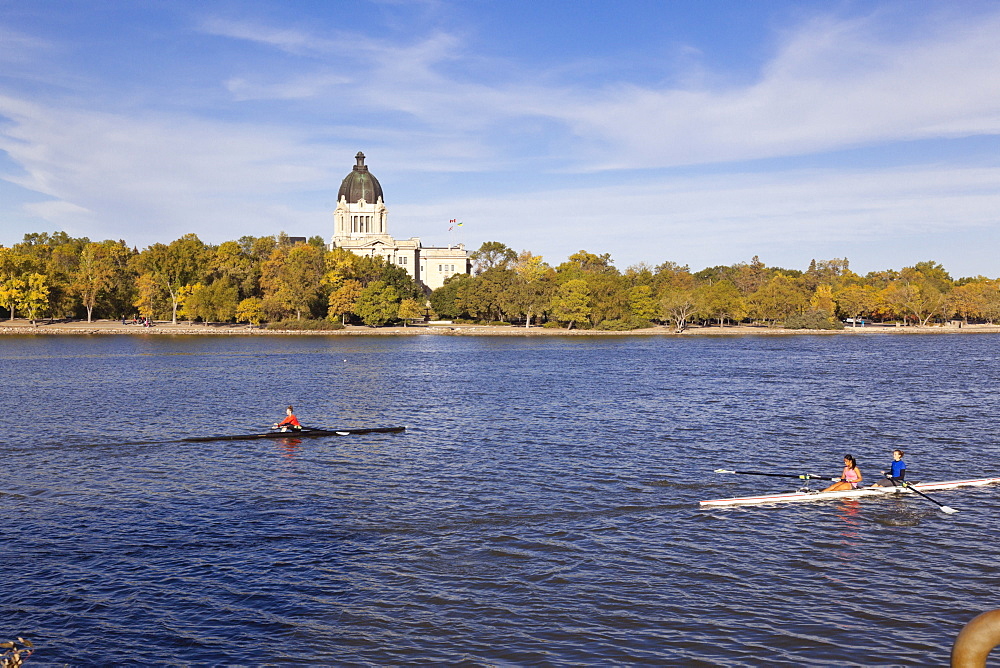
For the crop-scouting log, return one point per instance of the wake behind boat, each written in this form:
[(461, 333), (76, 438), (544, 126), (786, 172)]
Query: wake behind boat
[(292, 433), (846, 494)]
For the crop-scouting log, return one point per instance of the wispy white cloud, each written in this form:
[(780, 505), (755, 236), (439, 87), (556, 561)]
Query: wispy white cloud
[(297, 88), (831, 84), (154, 177), (290, 40), (18, 47), (787, 217)]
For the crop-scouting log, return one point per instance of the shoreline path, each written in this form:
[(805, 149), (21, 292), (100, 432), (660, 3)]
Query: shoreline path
[(115, 327)]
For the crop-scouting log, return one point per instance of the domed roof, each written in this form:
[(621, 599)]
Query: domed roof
[(360, 184)]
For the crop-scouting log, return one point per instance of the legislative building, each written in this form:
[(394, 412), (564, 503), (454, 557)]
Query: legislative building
[(360, 225)]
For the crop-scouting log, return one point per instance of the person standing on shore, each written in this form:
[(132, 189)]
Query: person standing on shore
[(896, 473), (850, 478), (290, 423)]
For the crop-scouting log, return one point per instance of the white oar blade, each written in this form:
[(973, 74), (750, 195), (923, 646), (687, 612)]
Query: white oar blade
[(948, 509), (724, 471)]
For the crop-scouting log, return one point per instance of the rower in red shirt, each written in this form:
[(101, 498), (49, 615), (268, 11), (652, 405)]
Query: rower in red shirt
[(290, 423)]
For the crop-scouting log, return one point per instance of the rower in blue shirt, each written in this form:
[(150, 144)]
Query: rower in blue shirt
[(896, 473)]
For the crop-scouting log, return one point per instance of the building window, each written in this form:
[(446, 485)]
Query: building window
[(402, 260)]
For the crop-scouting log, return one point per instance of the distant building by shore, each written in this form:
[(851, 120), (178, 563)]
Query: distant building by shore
[(360, 225)]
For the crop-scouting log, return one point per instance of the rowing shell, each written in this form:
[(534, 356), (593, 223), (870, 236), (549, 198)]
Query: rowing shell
[(295, 434), (846, 494)]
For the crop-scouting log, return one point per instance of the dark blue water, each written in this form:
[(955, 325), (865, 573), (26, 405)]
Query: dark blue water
[(541, 509)]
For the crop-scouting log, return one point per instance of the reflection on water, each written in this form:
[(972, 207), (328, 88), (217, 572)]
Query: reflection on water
[(541, 508), (289, 447)]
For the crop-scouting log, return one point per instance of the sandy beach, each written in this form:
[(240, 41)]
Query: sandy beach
[(115, 327)]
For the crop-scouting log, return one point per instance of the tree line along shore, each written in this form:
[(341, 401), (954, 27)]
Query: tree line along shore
[(274, 283)]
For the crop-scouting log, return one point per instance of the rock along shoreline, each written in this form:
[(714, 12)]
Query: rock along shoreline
[(115, 328)]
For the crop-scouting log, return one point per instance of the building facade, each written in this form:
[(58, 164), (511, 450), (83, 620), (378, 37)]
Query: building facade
[(361, 225)]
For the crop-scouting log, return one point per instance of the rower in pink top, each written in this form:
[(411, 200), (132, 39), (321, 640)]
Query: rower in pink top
[(850, 478)]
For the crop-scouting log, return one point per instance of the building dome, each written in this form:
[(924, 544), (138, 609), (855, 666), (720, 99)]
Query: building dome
[(360, 184)]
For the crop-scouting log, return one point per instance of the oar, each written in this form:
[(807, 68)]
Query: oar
[(906, 485), (805, 476)]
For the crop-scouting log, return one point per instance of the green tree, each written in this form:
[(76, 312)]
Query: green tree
[(230, 261), (642, 303), (492, 254), (446, 300), (571, 302), (490, 295), (378, 304)]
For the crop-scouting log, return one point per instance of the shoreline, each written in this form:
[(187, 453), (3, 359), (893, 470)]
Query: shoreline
[(21, 327)]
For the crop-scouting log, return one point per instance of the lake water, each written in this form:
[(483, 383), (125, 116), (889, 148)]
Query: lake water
[(540, 509)]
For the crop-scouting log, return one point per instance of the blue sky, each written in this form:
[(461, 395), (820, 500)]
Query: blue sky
[(701, 132)]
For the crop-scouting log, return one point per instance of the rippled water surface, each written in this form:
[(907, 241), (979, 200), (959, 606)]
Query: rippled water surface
[(541, 508)]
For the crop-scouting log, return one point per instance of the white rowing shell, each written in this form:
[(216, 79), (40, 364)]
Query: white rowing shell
[(847, 493)]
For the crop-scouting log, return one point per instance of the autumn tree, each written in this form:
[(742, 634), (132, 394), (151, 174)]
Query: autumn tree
[(410, 309), (777, 299), (978, 298), (250, 310), (13, 267), (677, 305), (55, 256), (913, 295), (216, 302), (855, 301), (150, 298), (749, 278), (533, 286), (342, 300), (34, 296), (720, 301), (174, 266), (291, 278), (94, 275)]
